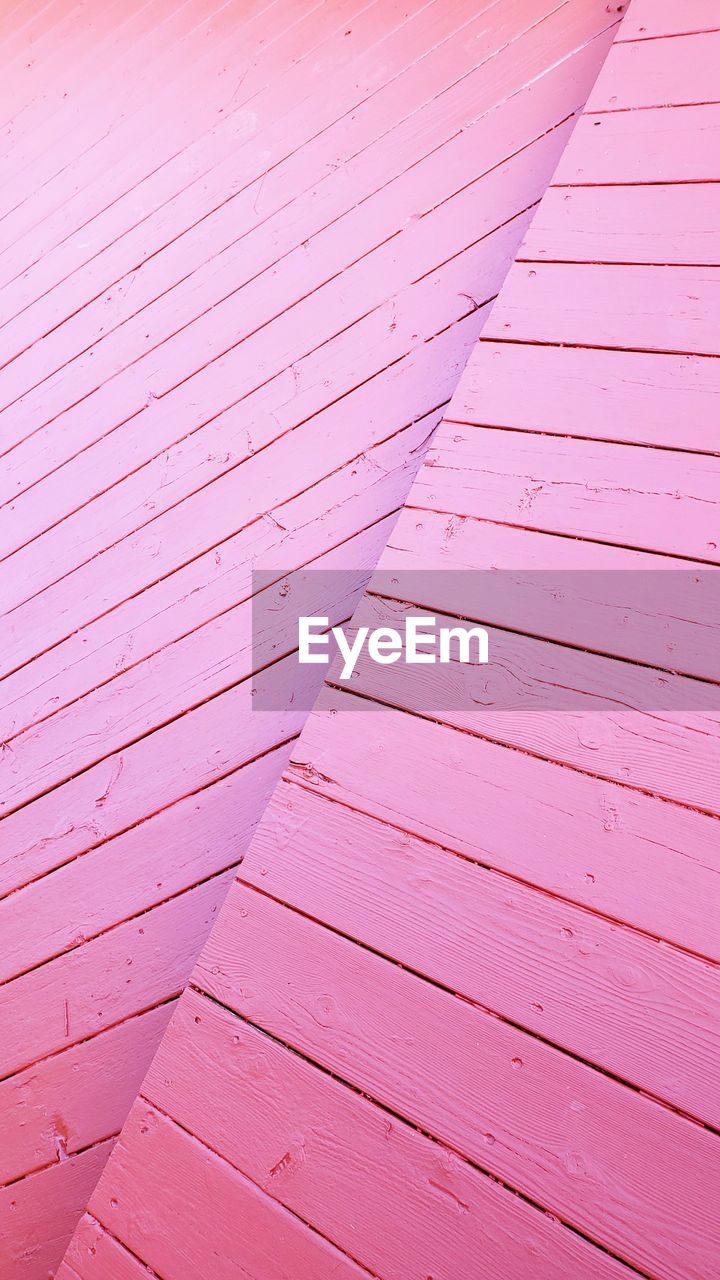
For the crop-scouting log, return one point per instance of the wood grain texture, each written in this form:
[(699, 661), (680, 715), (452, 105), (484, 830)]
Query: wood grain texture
[(92, 1246), (668, 224), (245, 253), (619, 852), (158, 1168), (315, 1145), (649, 19), (634, 725), (38, 1213), (577, 488), (630, 397), (535, 961), (458, 1014), (627, 307), (320, 993), (658, 73), (654, 145)]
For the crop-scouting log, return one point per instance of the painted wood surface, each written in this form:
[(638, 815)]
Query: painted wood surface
[(459, 1013), (246, 251)]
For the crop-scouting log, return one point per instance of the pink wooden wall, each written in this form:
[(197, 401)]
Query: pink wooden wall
[(459, 1014), (246, 250)]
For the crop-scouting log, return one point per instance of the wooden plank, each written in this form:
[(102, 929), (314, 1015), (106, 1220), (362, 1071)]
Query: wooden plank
[(657, 610), (654, 145), (608, 718), (629, 856), (235, 246), (658, 73), (363, 492), (627, 396), (214, 511), (421, 379), (653, 500), (93, 1251), (331, 97), (160, 1166), (190, 840), (74, 1100), (78, 995), (220, 656), (460, 1074), (649, 19), (606, 994), (405, 1191), (179, 759), (661, 224), (73, 130), (131, 155), (146, 752), (391, 154), (201, 61), (39, 1214), (639, 307), (342, 295)]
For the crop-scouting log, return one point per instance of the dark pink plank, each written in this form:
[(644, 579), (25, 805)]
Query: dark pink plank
[(92, 1087), (39, 1214), (625, 1171), (608, 995), (93, 1251), (159, 1168), (415, 1205), (80, 994)]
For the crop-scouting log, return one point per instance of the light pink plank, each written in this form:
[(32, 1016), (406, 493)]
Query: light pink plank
[(658, 610), (655, 224), (362, 492), (635, 307), (347, 294), (110, 578), (195, 838), (619, 721), (332, 95), (658, 73), (655, 500), (648, 19), (177, 760), (627, 855), (667, 401), (228, 251), (218, 657), (654, 145)]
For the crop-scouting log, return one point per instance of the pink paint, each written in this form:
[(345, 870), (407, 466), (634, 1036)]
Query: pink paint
[(246, 255), (458, 1012)]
